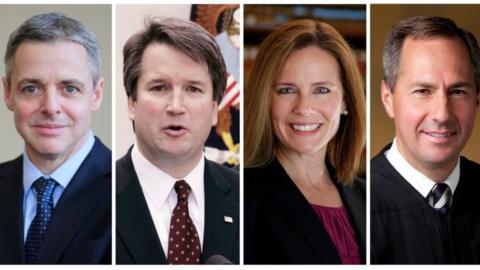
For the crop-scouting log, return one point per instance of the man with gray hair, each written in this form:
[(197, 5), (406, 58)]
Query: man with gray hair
[(55, 199), (424, 207), (173, 205)]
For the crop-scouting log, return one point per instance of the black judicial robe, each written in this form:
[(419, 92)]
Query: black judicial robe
[(404, 229)]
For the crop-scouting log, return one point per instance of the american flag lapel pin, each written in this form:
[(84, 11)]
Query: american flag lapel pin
[(228, 219)]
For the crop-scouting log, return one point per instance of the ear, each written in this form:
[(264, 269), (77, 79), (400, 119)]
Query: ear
[(387, 99), (97, 95), (131, 108), (214, 112), (7, 94)]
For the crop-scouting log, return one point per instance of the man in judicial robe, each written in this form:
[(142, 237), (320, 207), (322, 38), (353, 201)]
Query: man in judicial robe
[(424, 207)]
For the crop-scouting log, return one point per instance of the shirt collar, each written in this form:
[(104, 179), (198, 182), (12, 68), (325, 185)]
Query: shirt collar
[(159, 184), (63, 174), (418, 180)]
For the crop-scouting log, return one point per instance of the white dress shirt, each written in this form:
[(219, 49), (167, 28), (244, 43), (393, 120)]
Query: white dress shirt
[(419, 181), (161, 197)]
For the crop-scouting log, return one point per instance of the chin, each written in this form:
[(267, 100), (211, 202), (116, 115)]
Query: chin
[(441, 158)]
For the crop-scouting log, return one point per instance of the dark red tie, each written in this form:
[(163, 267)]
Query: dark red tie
[(184, 243)]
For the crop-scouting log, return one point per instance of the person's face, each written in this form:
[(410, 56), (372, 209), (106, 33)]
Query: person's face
[(307, 102), (52, 97), (434, 101), (174, 109)]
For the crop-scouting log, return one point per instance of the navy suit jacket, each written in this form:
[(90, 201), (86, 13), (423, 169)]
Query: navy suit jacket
[(280, 225), (79, 231), (137, 240)]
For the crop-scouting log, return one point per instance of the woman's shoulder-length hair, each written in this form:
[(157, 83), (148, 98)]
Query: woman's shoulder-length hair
[(344, 151)]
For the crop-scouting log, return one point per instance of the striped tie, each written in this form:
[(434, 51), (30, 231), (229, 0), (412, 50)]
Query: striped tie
[(440, 198)]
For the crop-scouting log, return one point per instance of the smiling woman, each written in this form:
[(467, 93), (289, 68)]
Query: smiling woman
[(304, 134)]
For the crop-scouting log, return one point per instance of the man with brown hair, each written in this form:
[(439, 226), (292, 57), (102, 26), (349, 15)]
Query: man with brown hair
[(173, 205), (424, 206)]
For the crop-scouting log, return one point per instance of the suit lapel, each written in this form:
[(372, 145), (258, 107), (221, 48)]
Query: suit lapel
[(134, 222), (78, 200), (297, 210), (220, 234), (11, 223)]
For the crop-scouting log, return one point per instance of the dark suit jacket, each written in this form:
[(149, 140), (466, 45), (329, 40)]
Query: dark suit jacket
[(79, 231), (280, 225), (137, 239), (404, 228)]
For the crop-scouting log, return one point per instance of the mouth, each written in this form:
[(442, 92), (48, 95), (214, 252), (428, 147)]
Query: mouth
[(305, 127), (51, 126), (49, 129), (440, 135), (175, 130)]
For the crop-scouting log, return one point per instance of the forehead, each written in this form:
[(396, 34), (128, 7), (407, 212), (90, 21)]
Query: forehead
[(312, 61), (435, 49), (39, 59), (437, 56), (163, 58)]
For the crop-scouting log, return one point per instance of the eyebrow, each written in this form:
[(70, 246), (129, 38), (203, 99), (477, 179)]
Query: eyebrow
[(193, 82), (29, 80), (460, 84), (423, 84), (63, 82), (73, 81), (319, 83)]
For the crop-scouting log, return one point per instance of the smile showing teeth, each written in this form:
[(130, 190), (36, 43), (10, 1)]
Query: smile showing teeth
[(305, 127), (440, 135)]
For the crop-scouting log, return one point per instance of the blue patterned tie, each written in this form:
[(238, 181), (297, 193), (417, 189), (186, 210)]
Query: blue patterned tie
[(44, 188), (440, 198)]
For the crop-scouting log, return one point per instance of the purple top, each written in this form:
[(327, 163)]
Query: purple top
[(339, 228)]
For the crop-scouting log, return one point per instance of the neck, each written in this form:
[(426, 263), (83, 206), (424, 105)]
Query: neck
[(437, 172), (175, 166), (310, 169), (48, 163)]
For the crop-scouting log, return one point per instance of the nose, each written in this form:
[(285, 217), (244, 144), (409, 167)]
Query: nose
[(51, 102), (175, 104), (441, 108), (303, 105)]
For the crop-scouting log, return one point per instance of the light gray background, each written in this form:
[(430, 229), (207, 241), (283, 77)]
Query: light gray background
[(129, 20), (98, 19)]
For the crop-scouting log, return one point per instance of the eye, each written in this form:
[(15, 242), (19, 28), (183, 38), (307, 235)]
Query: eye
[(458, 92), (30, 89), (159, 88), (421, 91), (322, 90), (69, 89), (194, 89), (285, 90)]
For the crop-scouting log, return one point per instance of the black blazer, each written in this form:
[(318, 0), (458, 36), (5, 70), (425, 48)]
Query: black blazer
[(404, 228), (280, 225), (137, 239), (79, 231)]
